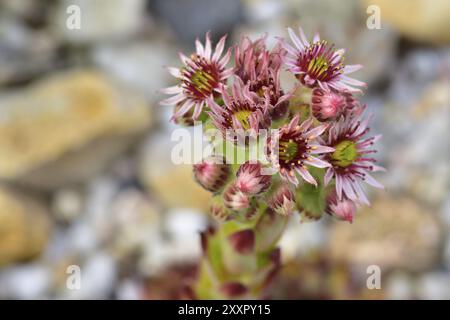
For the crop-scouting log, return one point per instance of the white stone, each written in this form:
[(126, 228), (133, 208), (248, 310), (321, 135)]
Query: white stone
[(67, 203), (434, 286), (100, 20), (129, 290), (399, 287), (140, 65), (301, 238), (98, 278), (30, 281)]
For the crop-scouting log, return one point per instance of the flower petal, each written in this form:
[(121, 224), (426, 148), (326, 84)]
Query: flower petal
[(317, 131), (199, 48), (172, 90), (371, 180), (173, 100), (352, 68), (295, 39), (219, 48), (306, 175), (174, 72), (318, 149), (338, 186), (303, 37), (317, 162), (328, 176), (184, 108)]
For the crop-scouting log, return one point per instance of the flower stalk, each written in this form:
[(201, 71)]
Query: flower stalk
[(316, 154)]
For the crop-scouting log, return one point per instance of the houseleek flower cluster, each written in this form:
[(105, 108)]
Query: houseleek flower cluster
[(319, 152)]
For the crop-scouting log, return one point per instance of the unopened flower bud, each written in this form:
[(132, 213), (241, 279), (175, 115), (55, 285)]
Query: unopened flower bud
[(327, 105), (235, 199), (218, 209), (212, 173), (250, 180), (243, 242), (343, 209), (282, 200), (279, 111), (233, 289)]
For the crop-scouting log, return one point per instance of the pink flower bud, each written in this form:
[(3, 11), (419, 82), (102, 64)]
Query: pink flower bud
[(282, 200), (327, 105), (250, 180), (233, 289), (235, 199), (218, 209), (212, 173), (243, 242), (343, 209)]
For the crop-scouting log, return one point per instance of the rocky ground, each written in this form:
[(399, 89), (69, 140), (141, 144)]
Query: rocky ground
[(85, 172)]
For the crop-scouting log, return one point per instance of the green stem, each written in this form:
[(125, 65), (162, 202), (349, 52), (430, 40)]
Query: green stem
[(229, 271)]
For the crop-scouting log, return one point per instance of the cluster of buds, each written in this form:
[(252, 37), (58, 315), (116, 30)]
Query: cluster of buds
[(318, 152)]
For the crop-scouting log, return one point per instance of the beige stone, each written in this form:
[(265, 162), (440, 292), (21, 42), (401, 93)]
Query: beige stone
[(421, 20), (177, 188), (394, 233), (172, 183), (24, 227), (65, 127)]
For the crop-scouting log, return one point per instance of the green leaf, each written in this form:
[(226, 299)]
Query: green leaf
[(311, 200)]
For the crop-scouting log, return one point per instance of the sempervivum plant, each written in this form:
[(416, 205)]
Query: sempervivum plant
[(317, 150)]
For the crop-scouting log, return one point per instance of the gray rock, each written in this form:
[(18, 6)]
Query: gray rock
[(100, 20), (446, 255), (67, 204), (98, 278), (30, 281), (302, 238), (95, 118), (414, 122), (193, 18), (24, 53), (347, 30), (142, 64), (129, 289), (399, 286), (434, 286)]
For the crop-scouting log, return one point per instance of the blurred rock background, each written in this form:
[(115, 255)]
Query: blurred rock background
[(85, 171)]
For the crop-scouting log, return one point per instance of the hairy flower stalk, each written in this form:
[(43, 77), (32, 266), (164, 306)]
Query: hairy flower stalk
[(316, 151)]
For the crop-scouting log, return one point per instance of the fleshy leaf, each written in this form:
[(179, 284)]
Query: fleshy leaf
[(311, 200)]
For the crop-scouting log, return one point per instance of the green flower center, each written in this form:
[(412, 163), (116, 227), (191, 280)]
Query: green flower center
[(345, 153), (288, 150), (318, 66), (243, 117), (202, 80)]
